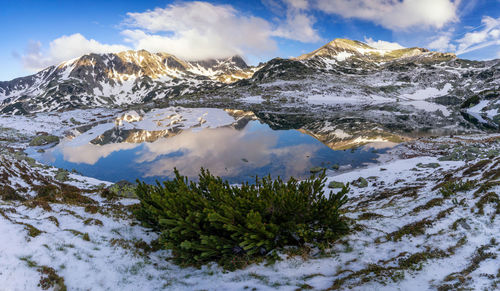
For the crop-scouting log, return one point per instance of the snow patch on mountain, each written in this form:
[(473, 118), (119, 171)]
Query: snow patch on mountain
[(427, 93)]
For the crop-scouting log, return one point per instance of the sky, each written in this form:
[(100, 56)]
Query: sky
[(36, 34)]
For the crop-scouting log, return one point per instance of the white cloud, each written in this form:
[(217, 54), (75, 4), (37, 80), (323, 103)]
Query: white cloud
[(190, 30), (487, 36), (383, 45), (442, 43), (395, 14), (297, 4), (298, 24), (64, 48), (199, 30), (495, 33)]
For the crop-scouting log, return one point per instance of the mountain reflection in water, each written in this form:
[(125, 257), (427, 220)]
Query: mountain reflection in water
[(236, 155)]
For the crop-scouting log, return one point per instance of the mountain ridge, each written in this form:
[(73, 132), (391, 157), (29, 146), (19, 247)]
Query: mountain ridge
[(342, 49), (343, 66), (118, 78)]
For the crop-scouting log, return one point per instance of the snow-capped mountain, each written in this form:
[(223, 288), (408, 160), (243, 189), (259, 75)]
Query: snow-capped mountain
[(117, 79), (343, 49), (352, 57), (408, 90)]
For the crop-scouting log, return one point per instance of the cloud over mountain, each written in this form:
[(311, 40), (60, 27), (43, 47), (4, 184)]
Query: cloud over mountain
[(195, 30), (190, 30), (64, 48), (199, 30), (383, 45)]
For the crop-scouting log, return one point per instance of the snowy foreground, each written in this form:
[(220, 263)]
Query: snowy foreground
[(407, 232)]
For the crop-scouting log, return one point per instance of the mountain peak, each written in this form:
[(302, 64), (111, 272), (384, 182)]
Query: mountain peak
[(144, 58), (117, 78), (348, 44), (341, 49), (132, 63)]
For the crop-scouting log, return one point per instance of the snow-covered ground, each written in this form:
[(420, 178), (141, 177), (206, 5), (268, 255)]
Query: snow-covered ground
[(427, 93), (55, 122), (405, 233)]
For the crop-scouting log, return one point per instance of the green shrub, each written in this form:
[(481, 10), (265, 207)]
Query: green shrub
[(452, 187), (213, 221)]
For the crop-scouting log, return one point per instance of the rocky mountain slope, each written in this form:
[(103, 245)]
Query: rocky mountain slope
[(346, 85), (409, 90), (116, 79)]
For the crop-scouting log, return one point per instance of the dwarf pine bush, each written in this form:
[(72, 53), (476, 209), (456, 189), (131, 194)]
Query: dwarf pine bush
[(210, 220)]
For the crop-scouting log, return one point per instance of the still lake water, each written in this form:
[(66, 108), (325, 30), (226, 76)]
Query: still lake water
[(236, 155)]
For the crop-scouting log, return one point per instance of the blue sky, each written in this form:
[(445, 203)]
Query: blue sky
[(36, 34)]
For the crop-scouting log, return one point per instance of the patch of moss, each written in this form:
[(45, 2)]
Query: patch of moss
[(412, 229), (84, 236), (91, 209), (50, 279), (431, 203), (29, 261), (476, 167), (122, 189), (443, 213), (493, 173), (53, 220), (461, 221), (92, 221), (369, 215), (315, 170), (46, 192), (73, 195), (480, 255), (461, 242), (489, 197), (74, 121), (452, 187), (335, 184), (414, 262), (360, 183), (7, 193), (429, 165), (32, 231), (38, 203), (58, 193), (374, 272), (44, 140), (486, 187), (62, 175)]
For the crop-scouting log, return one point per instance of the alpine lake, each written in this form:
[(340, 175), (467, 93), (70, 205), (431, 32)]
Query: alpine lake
[(235, 154)]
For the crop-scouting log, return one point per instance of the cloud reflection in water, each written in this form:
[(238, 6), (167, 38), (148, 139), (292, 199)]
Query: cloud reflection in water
[(236, 155), (224, 151)]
